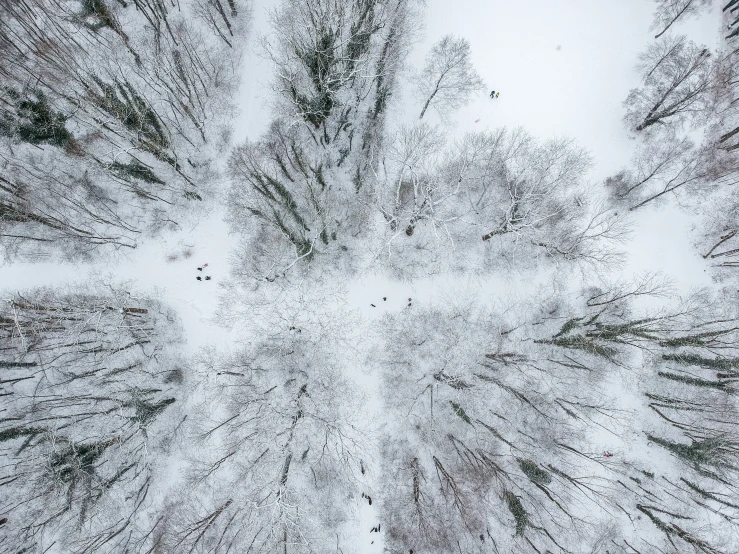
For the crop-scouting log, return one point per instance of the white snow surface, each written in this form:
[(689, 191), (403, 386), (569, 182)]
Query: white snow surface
[(562, 68)]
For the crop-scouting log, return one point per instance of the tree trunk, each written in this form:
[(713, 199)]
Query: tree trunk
[(674, 19)]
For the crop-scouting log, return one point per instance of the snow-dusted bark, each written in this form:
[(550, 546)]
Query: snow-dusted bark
[(562, 427), (111, 115), (676, 81), (280, 439), (89, 380), (524, 198), (669, 12)]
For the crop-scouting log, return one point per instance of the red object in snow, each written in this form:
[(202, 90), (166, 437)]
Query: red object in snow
[(205, 265), (607, 454)]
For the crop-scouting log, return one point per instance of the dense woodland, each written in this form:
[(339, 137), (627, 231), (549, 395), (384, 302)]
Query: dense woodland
[(495, 417)]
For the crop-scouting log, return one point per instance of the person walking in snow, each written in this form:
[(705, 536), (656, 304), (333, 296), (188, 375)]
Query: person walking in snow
[(492, 94)]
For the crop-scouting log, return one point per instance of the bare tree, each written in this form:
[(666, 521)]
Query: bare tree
[(505, 446), (661, 165), (719, 240), (448, 78), (88, 388), (533, 195), (413, 188), (108, 132), (669, 12), (309, 179), (526, 199), (652, 285), (276, 181), (279, 460), (676, 80)]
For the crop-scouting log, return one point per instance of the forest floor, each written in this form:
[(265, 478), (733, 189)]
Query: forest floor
[(562, 69)]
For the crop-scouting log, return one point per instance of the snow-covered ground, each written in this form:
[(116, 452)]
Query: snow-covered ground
[(562, 68)]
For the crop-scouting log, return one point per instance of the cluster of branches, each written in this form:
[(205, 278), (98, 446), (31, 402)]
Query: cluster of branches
[(312, 180), (87, 386), (110, 113), (669, 12), (495, 445), (448, 78), (278, 461), (685, 89), (524, 198), (717, 241), (307, 180), (336, 62), (505, 415), (678, 79), (688, 355)]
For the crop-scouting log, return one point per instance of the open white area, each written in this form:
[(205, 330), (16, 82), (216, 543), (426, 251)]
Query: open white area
[(255, 91), (562, 68)]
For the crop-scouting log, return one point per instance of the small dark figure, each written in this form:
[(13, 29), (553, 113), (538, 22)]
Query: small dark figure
[(361, 466), (482, 538), (607, 454), (374, 529), (207, 277), (370, 499), (199, 278), (384, 298), (373, 305), (409, 304), (200, 269), (492, 94), (378, 527), (409, 300)]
